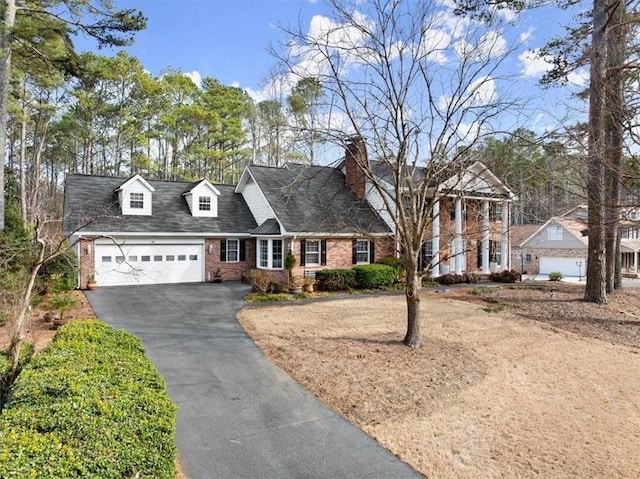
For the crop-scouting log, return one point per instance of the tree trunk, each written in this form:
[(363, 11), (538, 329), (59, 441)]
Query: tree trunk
[(412, 293), (23, 164), (8, 22), (595, 291), (614, 135), (18, 329)]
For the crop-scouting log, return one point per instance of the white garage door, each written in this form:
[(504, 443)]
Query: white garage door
[(567, 266), (130, 264)]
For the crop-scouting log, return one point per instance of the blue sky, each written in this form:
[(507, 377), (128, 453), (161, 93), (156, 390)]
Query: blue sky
[(228, 40)]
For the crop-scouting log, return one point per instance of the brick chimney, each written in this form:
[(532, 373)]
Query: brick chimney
[(355, 161)]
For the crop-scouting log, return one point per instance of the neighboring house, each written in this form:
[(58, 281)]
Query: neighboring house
[(137, 231), (561, 244), (558, 245), (471, 214)]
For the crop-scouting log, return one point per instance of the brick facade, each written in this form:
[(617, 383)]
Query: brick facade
[(86, 261), (230, 271), (339, 254)]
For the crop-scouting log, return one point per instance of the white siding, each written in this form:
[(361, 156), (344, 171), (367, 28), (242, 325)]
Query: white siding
[(375, 199), (193, 200), (568, 241), (136, 187), (260, 208)]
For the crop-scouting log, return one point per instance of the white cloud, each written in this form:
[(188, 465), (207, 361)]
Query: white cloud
[(195, 77), (508, 14), (482, 91), (434, 44), (534, 65), (490, 45), (579, 78), (527, 35)]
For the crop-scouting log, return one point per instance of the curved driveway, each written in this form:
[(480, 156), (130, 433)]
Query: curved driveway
[(239, 415)]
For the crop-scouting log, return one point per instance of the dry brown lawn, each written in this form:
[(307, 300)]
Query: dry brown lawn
[(516, 383)]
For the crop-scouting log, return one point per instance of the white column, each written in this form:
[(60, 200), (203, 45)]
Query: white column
[(504, 239), (435, 239), (485, 236), (457, 242)]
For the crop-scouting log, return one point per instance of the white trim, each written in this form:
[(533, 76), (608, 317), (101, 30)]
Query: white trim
[(134, 179)]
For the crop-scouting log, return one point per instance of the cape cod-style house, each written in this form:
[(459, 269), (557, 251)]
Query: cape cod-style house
[(130, 231)]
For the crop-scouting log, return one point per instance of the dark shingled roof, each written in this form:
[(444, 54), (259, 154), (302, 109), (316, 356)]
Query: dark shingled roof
[(315, 199), (92, 198)]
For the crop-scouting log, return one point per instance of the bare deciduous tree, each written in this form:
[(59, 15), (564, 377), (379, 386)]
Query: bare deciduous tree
[(420, 85)]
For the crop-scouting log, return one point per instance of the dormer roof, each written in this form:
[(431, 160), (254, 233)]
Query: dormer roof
[(134, 179)]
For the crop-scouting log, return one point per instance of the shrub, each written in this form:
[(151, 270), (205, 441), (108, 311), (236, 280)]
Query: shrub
[(506, 276), (62, 303), (260, 280), (394, 262), (277, 287), (451, 278), (59, 274), (89, 405), (335, 279), (470, 278), (555, 276), (371, 276)]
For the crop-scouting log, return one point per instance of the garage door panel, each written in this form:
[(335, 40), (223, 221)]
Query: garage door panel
[(148, 264), (566, 265)]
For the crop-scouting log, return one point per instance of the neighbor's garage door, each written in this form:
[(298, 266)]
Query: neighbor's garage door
[(567, 266), (131, 264)]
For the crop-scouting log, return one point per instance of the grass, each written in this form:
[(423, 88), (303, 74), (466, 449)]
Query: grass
[(481, 291)]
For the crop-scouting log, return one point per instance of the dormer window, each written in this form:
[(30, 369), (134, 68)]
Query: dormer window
[(204, 203), (136, 200), (135, 196), (202, 198)]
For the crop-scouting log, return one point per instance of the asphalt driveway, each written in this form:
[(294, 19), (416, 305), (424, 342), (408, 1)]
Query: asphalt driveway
[(239, 415)]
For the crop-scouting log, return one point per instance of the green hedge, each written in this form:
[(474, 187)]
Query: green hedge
[(335, 279), (370, 276), (90, 405)]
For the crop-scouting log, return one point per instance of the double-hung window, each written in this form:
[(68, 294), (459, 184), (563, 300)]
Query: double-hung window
[(362, 251), (136, 200), (312, 253), (204, 203), (232, 250), (270, 253)]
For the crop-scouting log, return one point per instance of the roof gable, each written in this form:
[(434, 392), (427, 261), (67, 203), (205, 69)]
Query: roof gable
[(572, 234), (477, 180), (135, 179), (313, 199)]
